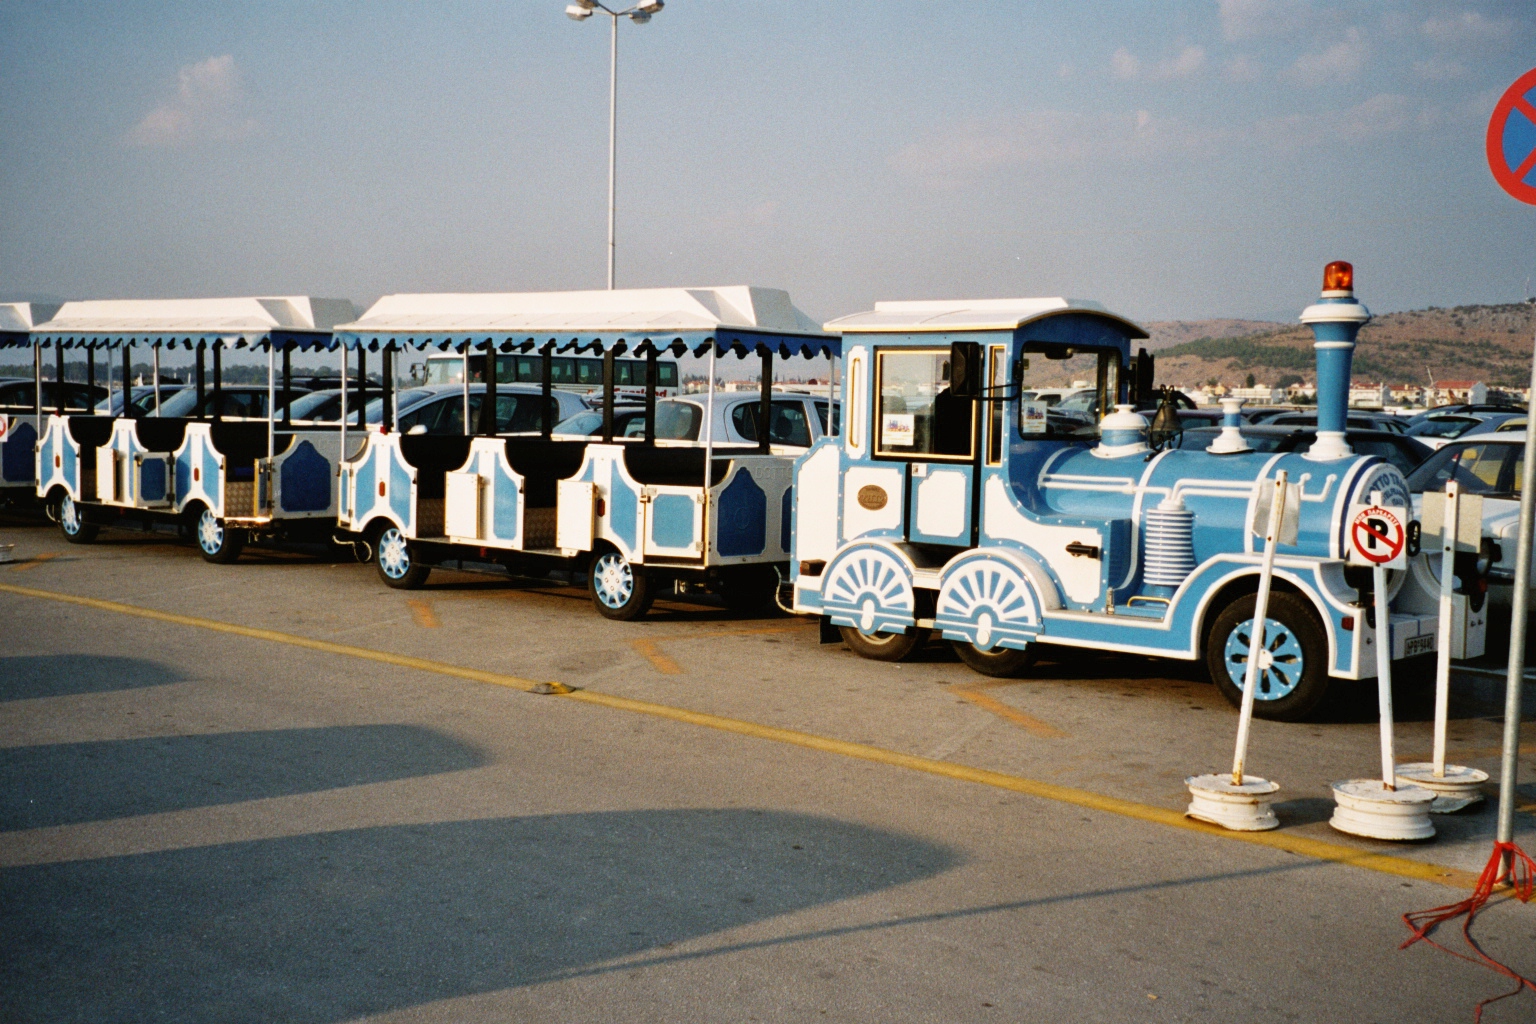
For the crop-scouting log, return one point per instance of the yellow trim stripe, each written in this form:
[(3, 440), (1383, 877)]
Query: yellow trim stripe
[(1304, 846)]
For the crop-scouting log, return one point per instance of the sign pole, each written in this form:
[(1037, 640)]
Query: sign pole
[(1449, 531), (1384, 674), (1256, 641)]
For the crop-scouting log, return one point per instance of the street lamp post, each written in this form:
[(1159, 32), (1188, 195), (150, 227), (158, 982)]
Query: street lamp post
[(639, 13)]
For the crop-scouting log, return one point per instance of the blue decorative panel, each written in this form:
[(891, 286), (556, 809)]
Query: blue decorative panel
[(743, 517), (71, 466), (211, 483), (16, 455), (784, 516), (362, 487), (623, 512), (672, 520), (184, 472), (503, 505), (152, 480), (400, 489), (305, 480)]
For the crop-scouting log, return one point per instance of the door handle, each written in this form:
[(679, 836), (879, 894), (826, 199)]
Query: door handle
[(1077, 548)]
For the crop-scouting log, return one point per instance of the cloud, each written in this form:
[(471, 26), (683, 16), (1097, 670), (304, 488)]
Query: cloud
[(1381, 116), (1123, 65), (1242, 68), (1250, 19), (1041, 138), (1469, 28), (208, 104), (1340, 62), (1438, 69)]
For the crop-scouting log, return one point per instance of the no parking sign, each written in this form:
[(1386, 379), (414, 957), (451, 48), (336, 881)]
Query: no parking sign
[(1377, 535), (1511, 141), (5, 425)]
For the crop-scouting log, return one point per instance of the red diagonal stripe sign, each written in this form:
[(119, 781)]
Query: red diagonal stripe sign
[(1511, 140)]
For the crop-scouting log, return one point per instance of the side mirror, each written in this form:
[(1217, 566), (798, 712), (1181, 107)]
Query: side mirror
[(965, 369)]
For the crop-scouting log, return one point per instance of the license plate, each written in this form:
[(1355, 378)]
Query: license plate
[(1418, 645)]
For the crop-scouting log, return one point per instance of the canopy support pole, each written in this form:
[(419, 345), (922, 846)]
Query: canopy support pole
[(765, 405), (608, 375), (271, 400), (218, 381), (37, 386), (287, 385), (362, 388), (90, 368), (468, 427), (709, 442), (345, 387), (650, 395), (58, 385), (127, 379), (202, 390), (831, 430), (155, 357), (546, 389), (488, 403), (387, 385)]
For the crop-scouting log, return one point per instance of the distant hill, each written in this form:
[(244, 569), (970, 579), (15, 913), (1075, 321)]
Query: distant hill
[(1167, 333), (1492, 344)]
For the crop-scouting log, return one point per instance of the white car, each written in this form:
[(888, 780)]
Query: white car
[(1489, 465), (797, 420)]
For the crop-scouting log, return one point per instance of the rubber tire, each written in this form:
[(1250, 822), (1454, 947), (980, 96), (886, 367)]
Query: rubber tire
[(1296, 615), (885, 646), (230, 542), (641, 593), (84, 532), (999, 662), (414, 574)]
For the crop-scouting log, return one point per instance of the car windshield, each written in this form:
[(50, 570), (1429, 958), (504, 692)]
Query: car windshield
[(1444, 426), (318, 407), (1399, 454), (402, 400), (679, 421), (1080, 401), (1494, 470)]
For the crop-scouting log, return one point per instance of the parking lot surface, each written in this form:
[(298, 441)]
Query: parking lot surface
[(279, 791)]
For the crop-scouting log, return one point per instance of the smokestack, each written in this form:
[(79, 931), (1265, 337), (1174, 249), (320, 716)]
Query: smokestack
[(1335, 319)]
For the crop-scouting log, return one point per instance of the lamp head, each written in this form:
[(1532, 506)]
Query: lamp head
[(650, 6), (639, 17), (578, 11)]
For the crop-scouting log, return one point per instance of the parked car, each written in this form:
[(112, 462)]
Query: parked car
[(1501, 425), (1465, 407), (142, 401), (439, 408), (1440, 428), (798, 420), (1354, 420), (18, 395), (1406, 453), (236, 402)]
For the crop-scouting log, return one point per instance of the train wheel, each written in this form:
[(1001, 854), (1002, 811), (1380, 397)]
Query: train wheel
[(619, 590), (218, 543), (72, 523), (885, 646), (1293, 677), (397, 564), (1002, 662)]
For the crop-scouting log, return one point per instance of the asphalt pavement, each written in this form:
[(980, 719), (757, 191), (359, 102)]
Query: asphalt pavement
[(278, 791)]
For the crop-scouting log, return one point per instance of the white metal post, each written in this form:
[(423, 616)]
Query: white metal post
[(1384, 667), (1256, 641), (271, 399), (465, 376), (156, 370), (1448, 531), (613, 133), (709, 435)]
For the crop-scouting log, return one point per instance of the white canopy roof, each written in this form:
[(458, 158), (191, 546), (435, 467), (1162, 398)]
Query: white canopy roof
[(965, 315), (200, 316), (627, 310), (23, 316)]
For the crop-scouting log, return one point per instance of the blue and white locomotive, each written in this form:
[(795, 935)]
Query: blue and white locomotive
[(966, 510)]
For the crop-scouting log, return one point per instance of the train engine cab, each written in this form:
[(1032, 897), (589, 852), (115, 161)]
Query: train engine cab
[(964, 509)]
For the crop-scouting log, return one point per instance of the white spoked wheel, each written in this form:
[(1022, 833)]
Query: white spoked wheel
[(72, 523), (218, 543), (619, 590), (396, 564)]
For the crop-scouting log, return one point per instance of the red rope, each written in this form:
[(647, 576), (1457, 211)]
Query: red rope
[(1522, 880)]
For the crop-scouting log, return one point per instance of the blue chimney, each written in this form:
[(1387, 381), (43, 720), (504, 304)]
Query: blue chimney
[(1335, 320)]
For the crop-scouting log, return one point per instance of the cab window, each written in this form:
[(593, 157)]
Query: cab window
[(788, 425), (918, 415)]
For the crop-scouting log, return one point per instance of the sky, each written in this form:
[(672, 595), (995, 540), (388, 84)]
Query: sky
[(1173, 160)]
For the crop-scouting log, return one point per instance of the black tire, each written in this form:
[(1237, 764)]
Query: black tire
[(216, 542), (1297, 683), (72, 522), (620, 590), (397, 561), (885, 646), (999, 662)]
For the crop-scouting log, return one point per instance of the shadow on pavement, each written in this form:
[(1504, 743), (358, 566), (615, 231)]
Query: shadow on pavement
[(29, 676), (69, 783), (339, 925)]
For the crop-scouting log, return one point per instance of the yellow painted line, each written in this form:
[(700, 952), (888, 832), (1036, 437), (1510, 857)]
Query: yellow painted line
[(324, 646), (35, 561), (1029, 723), (422, 612), (1304, 846), (659, 660)]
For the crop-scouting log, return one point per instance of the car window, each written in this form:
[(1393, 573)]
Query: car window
[(18, 395), (821, 414), (1518, 423), (789, 424), (1385, 449), (581, 423), (1444, 426), (1488, 469), (679, 421)]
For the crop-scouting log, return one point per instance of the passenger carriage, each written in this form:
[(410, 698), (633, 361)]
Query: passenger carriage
[(636, 515), (962, 510), (22, 401), (225, 478)]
